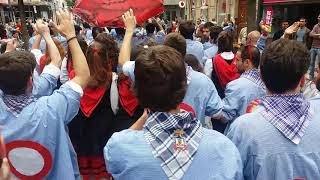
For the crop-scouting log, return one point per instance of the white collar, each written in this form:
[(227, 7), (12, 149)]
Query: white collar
[(227, 55)]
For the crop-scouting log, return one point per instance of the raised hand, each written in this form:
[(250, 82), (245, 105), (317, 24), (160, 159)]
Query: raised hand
[(293, 28), (129, 20), (42, 28), (265, 28), (66, 25)]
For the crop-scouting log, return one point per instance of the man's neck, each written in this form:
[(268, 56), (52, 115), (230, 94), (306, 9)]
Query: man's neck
[(249, 69), (290, 92), (175, 111)]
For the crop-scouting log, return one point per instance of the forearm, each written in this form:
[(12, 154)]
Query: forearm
[(79, 62), (314, 34), (160, 27), (125, 50), (286, 36), (36, 44), (53, 51)]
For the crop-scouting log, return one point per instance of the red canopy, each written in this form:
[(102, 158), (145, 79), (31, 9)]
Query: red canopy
[(108, 12)]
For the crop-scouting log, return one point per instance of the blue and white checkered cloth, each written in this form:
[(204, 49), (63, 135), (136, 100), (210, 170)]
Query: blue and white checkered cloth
[(15, 104), (290, 114), (160, 130), (254, 76)]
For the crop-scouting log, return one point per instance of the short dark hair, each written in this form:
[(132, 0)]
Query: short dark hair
[(303, 18), (225, 42), (160, 78), (186, 29), (252, 53), (192, 61), (16, 68), (176, 41), (214, 33), (283, 64), (207, 25), (150, 28)]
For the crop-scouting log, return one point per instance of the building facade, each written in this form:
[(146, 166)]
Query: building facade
[(209, 10), (33, 9), (292, 11)]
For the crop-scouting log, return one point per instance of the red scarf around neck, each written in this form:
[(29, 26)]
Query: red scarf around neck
[(224, 71)]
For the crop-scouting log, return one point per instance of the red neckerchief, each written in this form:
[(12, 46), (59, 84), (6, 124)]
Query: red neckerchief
[(127, 98), (43, 61), (224, 71), (188, 108), (91, 97), (253, 106)]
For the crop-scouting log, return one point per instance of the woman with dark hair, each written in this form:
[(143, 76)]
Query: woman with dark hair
[(103, 109), (212, 51), (224, 67)]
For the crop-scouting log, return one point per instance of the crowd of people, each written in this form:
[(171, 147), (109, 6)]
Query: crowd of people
[(158, 102)]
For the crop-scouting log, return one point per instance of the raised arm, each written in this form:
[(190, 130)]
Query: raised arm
[(290, 30), (159, 25), (43, 29), (36, 44), (130, 24), (79, 62), (265, 29)]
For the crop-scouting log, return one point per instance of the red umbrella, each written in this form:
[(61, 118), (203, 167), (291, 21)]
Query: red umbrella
[(108, 12)]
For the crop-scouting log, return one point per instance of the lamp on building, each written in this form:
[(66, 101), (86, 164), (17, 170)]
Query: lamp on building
[(182, 4)]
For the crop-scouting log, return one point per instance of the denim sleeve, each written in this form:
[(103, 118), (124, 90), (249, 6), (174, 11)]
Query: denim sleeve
[(113, 154), (231, 102), (64, 103), (236, 134), (44, 84), (214, 104)]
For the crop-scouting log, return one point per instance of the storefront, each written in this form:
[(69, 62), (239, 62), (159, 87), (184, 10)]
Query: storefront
[(34, 9), (292, 10), (172, 10)]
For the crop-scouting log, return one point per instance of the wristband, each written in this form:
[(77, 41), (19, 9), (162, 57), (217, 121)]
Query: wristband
[(75, 37)]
